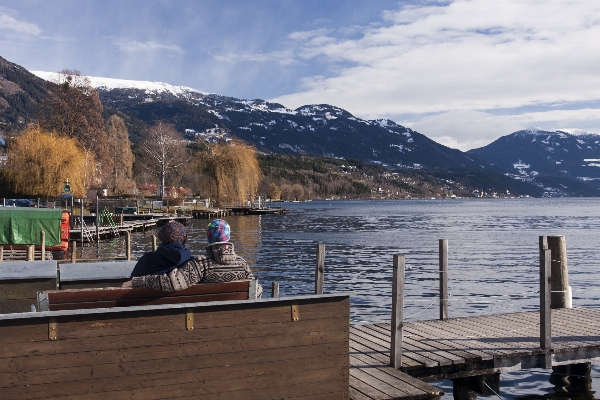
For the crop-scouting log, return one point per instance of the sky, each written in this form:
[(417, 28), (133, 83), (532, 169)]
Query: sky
[(463, 73)]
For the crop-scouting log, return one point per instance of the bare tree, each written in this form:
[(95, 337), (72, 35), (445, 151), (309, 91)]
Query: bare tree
[(166, 151), (275, 192), (298, 191), (286, 192), (74, 110), (122, 158)]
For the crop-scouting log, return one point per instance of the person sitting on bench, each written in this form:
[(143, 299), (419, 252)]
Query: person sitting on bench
[(220, 264), (170, 254)]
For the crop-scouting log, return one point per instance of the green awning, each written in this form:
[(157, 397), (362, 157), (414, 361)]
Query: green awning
[(21, 225)]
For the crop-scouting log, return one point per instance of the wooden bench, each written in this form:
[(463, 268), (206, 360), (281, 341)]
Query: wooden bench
[(21, 280), (287, 347), (74, 299), (94, 274)]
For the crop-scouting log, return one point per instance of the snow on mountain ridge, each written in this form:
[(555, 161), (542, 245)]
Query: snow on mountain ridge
[(112, 83)]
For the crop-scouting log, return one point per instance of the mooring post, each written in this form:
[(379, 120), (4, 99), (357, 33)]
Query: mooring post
[(561, 291), (545, 313), (73, 251), (397, 311), (274, 289), (81, 217), (29, 256), (42, 245), (153, 242), (128, 245), (443, 279), (97, 220), (320, 268)]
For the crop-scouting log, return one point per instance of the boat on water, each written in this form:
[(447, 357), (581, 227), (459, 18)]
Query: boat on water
[(21, 227)]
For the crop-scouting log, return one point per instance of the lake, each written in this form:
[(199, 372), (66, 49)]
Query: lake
[(493, 257)]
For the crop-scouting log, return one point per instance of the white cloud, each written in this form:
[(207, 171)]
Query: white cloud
[(283, 57), (466, 130), (134, 46), (459, 58), (10, 23)]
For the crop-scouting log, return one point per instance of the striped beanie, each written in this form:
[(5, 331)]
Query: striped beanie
[(173, 231), (218, 231)]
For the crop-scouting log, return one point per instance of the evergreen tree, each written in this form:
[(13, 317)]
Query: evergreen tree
[(121, 181)]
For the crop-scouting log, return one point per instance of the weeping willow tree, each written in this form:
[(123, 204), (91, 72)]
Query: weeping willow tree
[(39, 162), (231, 171)]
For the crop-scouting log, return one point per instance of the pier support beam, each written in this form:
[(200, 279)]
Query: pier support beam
[(443, 279), (397, 325), (545, 314), (320, 268), (468, 388), (572, 378)]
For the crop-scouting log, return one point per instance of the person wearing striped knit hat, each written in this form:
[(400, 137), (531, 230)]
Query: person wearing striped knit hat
[(220, 264)]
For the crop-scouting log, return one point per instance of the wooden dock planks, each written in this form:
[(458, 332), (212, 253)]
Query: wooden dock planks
[(470, 346)]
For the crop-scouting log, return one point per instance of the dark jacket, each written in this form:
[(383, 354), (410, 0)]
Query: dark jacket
[(166, 257)]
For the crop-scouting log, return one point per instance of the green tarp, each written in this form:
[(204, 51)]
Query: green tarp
[(20, 225)]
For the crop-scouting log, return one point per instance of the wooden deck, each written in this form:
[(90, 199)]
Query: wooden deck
[(462, 347), (371, 376)]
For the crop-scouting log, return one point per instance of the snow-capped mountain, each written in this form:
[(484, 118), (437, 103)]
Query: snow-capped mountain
[(319, 130), (531, 155), (566, 163)]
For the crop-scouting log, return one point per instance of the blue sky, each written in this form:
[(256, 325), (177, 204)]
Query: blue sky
[(461, 72)]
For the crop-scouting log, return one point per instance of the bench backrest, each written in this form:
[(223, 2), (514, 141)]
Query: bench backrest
[(74, 299), (21, 280), (94, 274)]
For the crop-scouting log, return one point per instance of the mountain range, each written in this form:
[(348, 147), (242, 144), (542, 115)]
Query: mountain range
[(530, 162)]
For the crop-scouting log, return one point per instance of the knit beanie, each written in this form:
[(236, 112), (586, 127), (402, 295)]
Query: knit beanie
[(218, 231), (173, 231)]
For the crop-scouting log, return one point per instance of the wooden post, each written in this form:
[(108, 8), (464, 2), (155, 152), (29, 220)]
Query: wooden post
[(81, 216), (97, 221), (545, 313), (1, 253), (274, 289), (561, 291), (73, 251), (30, 252), (443, 279), (128, 245), (71, 214), (42, 245), (154, 243), (320, 269), (397, 311)]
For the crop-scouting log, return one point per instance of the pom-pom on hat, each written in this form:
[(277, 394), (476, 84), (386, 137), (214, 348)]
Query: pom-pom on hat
[(218, 231), (173, 231)]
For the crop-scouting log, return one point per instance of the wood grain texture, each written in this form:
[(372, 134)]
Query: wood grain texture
[(237, 351)]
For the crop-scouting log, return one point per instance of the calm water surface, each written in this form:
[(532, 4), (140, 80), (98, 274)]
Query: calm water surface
[(493, 257)]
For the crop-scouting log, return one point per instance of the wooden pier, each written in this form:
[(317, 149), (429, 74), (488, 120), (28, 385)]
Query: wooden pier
[(142, 223), (218, 213), (459, 348)]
